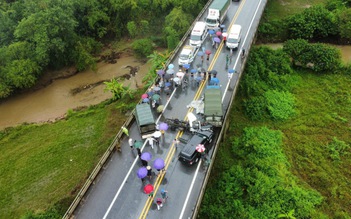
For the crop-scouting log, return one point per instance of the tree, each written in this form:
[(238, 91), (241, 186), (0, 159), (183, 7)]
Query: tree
[(344, 23), (143, 47), (118, 90)]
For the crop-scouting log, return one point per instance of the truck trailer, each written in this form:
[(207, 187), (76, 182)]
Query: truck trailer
[(213, 109), (217, 12)]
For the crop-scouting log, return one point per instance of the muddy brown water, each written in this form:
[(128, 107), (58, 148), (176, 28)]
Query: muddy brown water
[(55, 100)]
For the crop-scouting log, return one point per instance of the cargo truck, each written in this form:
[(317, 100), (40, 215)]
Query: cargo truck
[(145, 120), (217, 12), (213, 109)]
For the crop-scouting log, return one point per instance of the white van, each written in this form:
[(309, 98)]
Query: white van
[(234, 37), (198, 34), (186, 55)]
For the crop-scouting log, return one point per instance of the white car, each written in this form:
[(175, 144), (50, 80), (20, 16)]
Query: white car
[(186, 55)]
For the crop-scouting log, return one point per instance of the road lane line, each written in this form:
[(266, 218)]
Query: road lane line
[(242, 45)]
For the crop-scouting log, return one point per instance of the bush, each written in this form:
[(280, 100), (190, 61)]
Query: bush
[(143, 47), (132, 29), (256, 108), (280, 104), (337, 148)]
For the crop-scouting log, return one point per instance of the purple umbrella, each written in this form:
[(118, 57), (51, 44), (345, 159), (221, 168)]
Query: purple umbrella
[(146, 156), (159, 163), (160, 72), (216, 39), (142, 172), (163, 126)]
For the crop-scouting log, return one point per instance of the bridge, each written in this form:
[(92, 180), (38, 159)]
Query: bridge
[(114, 191)]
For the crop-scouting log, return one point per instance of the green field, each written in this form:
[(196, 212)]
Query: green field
[(278, 9), (43, 165)]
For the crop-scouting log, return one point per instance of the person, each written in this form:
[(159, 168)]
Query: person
[(176, 142), (138, 151), (164, 195), (242, 53), (159, 203), (149, 171), (151, 142), (208, 57), (226, 61), (125, 131), (144, 162), (130, 142)]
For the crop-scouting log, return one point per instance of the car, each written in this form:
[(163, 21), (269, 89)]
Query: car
[(187, 55), (189, 155)]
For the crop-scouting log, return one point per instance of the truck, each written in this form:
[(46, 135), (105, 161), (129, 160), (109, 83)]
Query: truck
[(145, 120), (198, 34), (217, 12), (213, 109), (187, 55)]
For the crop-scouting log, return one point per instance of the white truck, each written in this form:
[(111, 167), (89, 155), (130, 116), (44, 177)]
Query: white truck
[(234, 37), (198, 34), (187, 55), (217, 12)]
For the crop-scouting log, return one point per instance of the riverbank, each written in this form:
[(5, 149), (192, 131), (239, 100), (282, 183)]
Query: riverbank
[(53, 101)]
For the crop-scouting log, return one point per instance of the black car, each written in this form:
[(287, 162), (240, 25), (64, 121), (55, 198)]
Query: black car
[(189, 155)]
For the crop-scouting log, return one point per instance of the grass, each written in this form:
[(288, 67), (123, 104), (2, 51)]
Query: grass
[(42, 165), (278, 9), (324, 112)]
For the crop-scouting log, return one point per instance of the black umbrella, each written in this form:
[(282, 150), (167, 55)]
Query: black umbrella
[(214, 72)]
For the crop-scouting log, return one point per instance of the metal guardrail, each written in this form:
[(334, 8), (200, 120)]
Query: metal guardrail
[(222, 132), (119, 135)]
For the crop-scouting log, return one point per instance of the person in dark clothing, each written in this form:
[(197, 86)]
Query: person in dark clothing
[(138, 151), (144, 162)]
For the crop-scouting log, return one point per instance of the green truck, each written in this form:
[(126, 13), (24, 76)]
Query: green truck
[(145, 120), (213, 109), (217, 12)]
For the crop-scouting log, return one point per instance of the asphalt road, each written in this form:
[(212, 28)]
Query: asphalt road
[(118, 192)]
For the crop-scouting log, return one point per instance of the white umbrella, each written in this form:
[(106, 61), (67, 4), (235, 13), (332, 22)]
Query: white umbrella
[(157, 134), (180, 74), (176, 80), (170, 71)]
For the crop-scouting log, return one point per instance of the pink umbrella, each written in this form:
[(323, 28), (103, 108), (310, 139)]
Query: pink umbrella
[(200, 148), (144, 96), (148, 188), (218, 33), (208, 52)]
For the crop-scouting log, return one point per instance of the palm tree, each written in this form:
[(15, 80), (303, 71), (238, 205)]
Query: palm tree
[(118, 90)]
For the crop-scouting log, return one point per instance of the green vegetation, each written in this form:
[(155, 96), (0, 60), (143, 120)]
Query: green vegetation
[(44, 166), (49, 34), (288, 153)]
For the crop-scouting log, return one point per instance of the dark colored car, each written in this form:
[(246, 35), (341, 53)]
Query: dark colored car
[(189, 155)]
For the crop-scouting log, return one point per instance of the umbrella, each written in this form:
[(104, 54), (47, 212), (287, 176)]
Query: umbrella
[(160, 108), (198, 79), (160, 72), (218, 33), (155, 97), (213, 72), (231, 71), (168, 76), (215, 80), (148, 188), (193, 70), (208, 52), (176, 80), (138, 144), (186, 66), (150, 93), (216, 39), (144, 96), (146, 100), (146, 156), (159, 163), (142, 172), (200, 148), (157, 134), (224, 34), (200, 53), (170, 66), (170, 71), (180, 74), (156, 88), (222, 26), (168, 84), (211, 32), (163, 126)]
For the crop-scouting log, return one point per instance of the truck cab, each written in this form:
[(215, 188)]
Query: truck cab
[(145, 120), (186, 55)]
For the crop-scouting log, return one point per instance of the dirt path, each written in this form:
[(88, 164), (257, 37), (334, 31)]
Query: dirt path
[(83, 89)]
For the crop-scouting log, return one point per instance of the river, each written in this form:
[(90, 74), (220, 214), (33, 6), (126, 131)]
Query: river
[(56, 99)]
